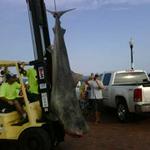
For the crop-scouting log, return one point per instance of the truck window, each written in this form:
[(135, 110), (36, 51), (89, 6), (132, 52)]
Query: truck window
[(130, 78), (106, 79)]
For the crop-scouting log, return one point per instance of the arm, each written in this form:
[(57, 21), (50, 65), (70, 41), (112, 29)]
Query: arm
[(10, 102), (22, 70), (100, 85)]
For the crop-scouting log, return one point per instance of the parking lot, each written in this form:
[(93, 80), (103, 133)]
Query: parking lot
[(108, 135), (112, 135)]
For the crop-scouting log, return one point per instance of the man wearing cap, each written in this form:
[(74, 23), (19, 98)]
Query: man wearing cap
[(9, 93), (96, 87)]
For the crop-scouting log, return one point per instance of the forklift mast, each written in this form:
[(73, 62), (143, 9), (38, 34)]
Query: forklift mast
[(41, 44)]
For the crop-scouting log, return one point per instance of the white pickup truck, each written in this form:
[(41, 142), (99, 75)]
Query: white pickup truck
[(127, 91)]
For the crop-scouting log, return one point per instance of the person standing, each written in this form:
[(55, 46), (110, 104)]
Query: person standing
[(78, 86), (88, 91), (96, 87)]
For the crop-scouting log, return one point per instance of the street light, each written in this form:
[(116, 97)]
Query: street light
[(55, 5), (131, 48)]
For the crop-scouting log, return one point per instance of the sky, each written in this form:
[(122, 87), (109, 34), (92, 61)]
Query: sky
[(97, 33)]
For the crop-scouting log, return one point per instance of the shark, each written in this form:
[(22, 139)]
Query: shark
[(64, 102)]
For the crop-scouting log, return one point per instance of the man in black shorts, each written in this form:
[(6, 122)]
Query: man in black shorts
[(96, 87)]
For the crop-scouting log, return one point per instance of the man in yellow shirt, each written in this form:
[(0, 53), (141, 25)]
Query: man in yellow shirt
[(32, 80), (32, 90), (9, 93)]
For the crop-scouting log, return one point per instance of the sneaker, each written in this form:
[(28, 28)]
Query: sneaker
[(3, 110)]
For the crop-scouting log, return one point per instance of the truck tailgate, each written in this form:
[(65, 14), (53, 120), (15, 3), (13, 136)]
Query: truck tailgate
[(146, 94)]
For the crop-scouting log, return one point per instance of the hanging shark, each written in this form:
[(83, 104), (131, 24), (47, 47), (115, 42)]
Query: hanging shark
[(64, 102)]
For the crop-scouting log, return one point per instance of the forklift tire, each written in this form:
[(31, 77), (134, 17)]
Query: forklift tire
[(34, 139)]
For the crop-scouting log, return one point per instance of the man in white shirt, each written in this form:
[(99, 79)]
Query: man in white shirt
[(96, 87)]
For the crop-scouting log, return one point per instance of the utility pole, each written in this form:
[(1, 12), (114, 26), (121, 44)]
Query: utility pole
[(131, 48), (55, 6)]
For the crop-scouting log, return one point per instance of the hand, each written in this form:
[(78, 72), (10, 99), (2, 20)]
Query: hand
[(105, 88), (10, 102)]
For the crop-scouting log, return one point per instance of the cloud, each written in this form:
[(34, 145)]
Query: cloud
[(83, 4), (94, 4), (120, 8), (15, 2)]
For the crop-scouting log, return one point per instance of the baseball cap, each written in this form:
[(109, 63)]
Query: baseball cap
[(96, 75)]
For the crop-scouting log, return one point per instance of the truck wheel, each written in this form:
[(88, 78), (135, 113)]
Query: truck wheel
[(122, 112), (34, 139)]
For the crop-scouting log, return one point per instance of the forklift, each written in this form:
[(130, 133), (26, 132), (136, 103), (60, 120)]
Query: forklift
[(39, 132)]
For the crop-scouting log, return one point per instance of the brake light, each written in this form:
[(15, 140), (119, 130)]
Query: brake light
[(138, 95)]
